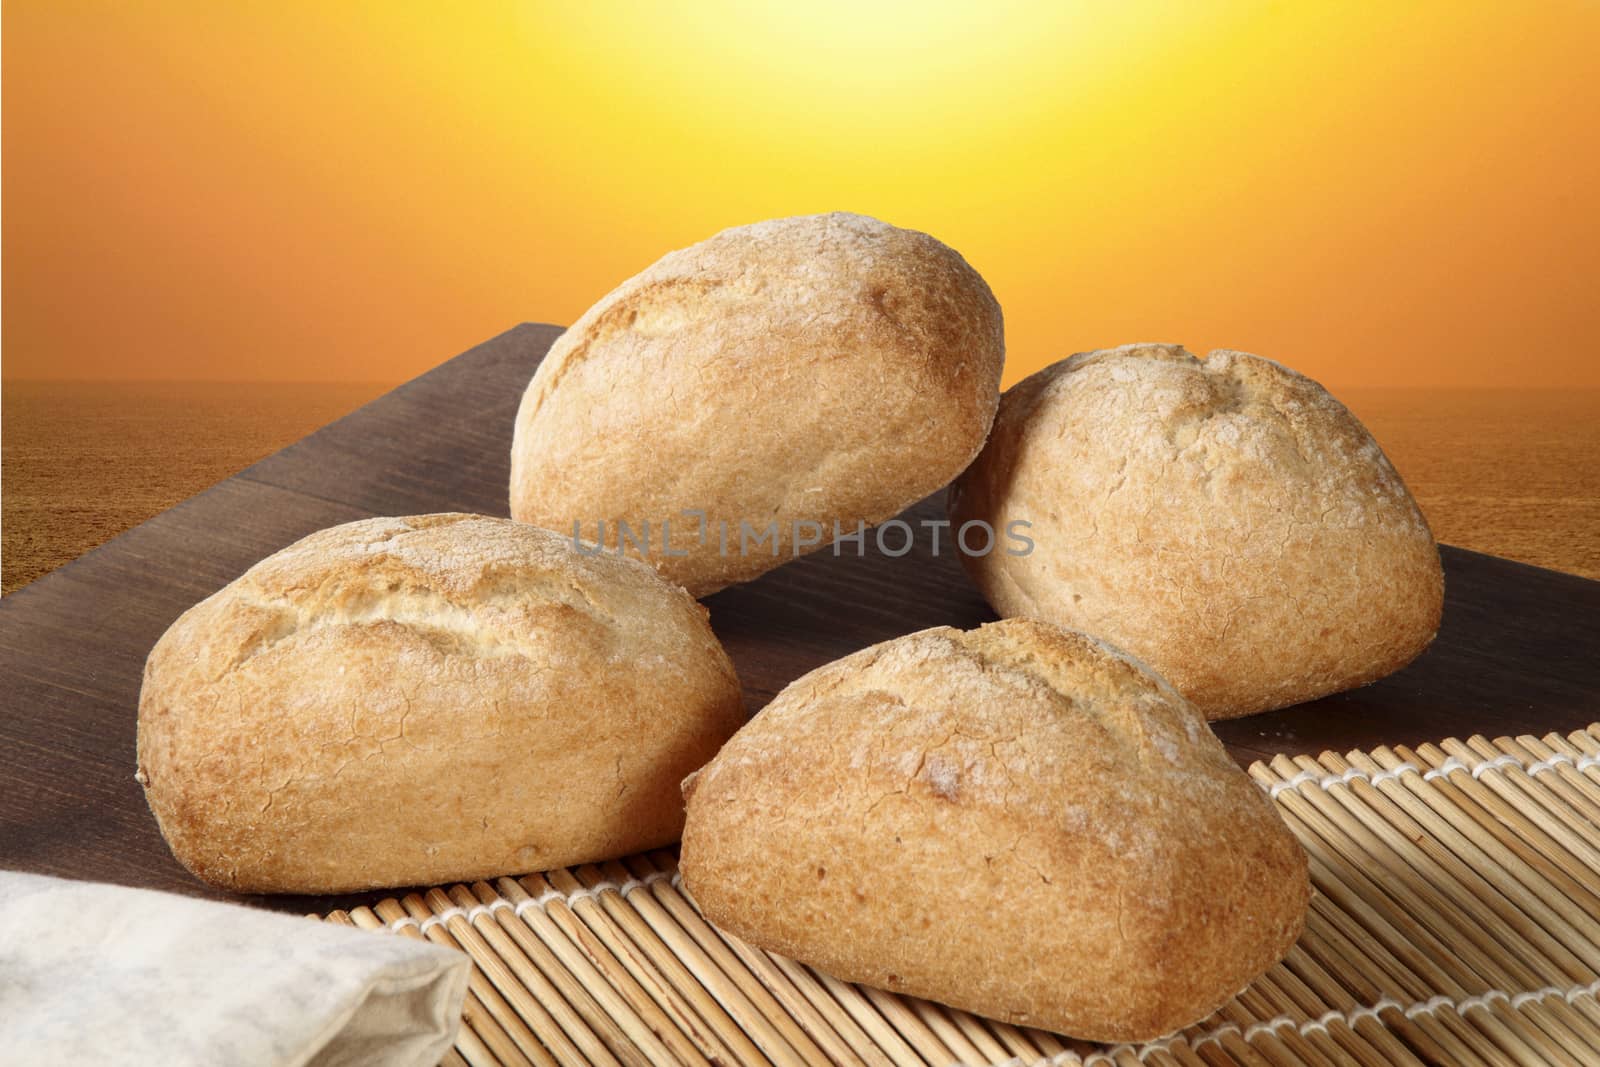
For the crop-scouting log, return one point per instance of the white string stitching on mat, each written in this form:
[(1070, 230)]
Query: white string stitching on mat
[(1448, 767), (595, 890), (1452, 764), (473, 913), (470, 914), (1108, 1057), (1351, 775)]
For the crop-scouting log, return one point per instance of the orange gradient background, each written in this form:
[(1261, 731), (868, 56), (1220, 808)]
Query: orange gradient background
[(1375, 193)]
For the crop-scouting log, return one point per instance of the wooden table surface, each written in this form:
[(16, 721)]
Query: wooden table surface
[(1519, 650)]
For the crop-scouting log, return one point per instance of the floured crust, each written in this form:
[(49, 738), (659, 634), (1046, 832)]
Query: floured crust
[(428, 699), (1225, 519), (821, 368), (1017, 820)]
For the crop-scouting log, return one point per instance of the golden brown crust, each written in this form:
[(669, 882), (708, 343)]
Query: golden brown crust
[(430, 699), (1017, 820), (823, 368), (1226, 520)]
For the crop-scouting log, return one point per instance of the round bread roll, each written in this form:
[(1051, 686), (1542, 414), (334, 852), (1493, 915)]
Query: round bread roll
[(1225, 520), (1017, 820), (784, 377), (432, 699)]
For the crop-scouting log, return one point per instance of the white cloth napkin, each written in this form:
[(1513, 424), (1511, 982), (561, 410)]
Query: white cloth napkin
[(93, 973)]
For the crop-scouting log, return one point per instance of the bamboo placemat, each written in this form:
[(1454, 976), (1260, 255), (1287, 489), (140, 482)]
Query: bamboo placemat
[(1454, 922)]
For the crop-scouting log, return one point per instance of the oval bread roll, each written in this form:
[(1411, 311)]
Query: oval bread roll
[(1226, 520), (817, 370), (1016, 820), (431, 699)]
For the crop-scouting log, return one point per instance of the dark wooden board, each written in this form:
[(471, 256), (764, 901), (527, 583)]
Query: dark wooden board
[(1519, 651)]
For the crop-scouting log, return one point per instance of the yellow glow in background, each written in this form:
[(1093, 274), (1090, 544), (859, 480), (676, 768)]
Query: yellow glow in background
[(1376, 193)]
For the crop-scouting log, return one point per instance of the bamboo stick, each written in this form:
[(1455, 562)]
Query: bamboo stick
[(644, 911), (507, 1025), (693, 979), (654, 967), (680, 916), (571, 1007), (1454, 955), (803, 997), (1556, 823), (476, 1018), (1522, 931), (633, 1040), (1453, 930), (648, 997), (468, 1045), (854, 1001)]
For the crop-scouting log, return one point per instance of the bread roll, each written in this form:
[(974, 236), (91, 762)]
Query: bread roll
[(813, 371), (1016, 820), (1225, 520), (431, 699)]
